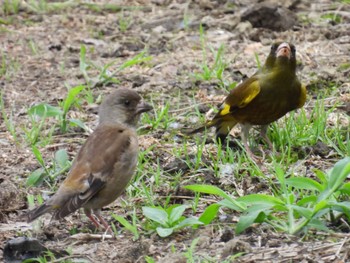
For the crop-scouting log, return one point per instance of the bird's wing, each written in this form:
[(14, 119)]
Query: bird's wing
[(91, 168), (241, 96), (302, 97)]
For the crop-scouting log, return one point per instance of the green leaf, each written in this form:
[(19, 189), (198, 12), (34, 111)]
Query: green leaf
[(139, 58), (339, 173), (247, 220), (345, 189), (305, 212), (306, 200), (343, 207), (320, 206), (322, 176), (38, 155), (79, 123), (209, 214), (318, 224), (229, 204), (156, 214), (126, 224), (71, 97), (61, 158), (254, 199), (164, 232), (280, 175), (337, 177), (44, 110), (191, 221), (304, 183), (35, 177), (210, 189), (176, 213)]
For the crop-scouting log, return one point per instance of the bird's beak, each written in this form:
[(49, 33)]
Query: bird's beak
[(143, 107), (283, 50)]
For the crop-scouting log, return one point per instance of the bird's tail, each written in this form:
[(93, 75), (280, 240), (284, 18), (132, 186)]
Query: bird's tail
[(224, 127), (37, 212), (206, 126)]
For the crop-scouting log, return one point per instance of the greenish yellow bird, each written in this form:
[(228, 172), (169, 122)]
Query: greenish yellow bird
[(268, 95)]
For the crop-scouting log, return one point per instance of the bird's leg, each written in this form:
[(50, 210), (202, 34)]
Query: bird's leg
[(245, 134), (91, 217), (263, 133), (101, 219)]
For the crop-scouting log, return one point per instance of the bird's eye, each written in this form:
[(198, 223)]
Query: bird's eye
[(126, 102), (274, 47)]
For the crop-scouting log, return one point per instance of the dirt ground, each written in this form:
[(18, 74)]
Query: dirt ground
[(42, 57)]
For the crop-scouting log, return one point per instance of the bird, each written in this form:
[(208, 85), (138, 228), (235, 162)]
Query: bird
[(104, 165), (269, 94)]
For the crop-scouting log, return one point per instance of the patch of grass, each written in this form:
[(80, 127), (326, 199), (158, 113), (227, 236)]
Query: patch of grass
[(99, 8), (216, 70), (49, 256), (8, 120), (33, 47), (161, 118), (105, 75), (344, 66), (334, 18), (190, 254), (48, 173), (44, 6), (299, 203), (133, 228), (10, 7), (124, 22), (44, 110), (33, 133), (8, 66)]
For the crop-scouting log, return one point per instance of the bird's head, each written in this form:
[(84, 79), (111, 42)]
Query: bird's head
[(124, 106), (282, 55)]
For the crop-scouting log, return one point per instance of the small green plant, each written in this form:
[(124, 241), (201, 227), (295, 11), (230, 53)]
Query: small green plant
[(38, 6), (149, 259), (45, 110), (217, 69), (161, 118), (11, 7), (130, 227), (186, 18), (34, 47), (301, 203), (335, 18), (44, 6), (9, 66), (166, 221), (106, 76), (8, 120), (48, 256), (124, 22), (189, 254), (60, 165), (34, 133)]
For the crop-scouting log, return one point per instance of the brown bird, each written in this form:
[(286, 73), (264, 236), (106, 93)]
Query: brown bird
[(263, 98), (104, 165)]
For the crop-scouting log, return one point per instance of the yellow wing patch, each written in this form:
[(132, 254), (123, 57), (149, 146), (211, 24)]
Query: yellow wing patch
[(302, 98), (240, 97), (225, 109), (250, 94)]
